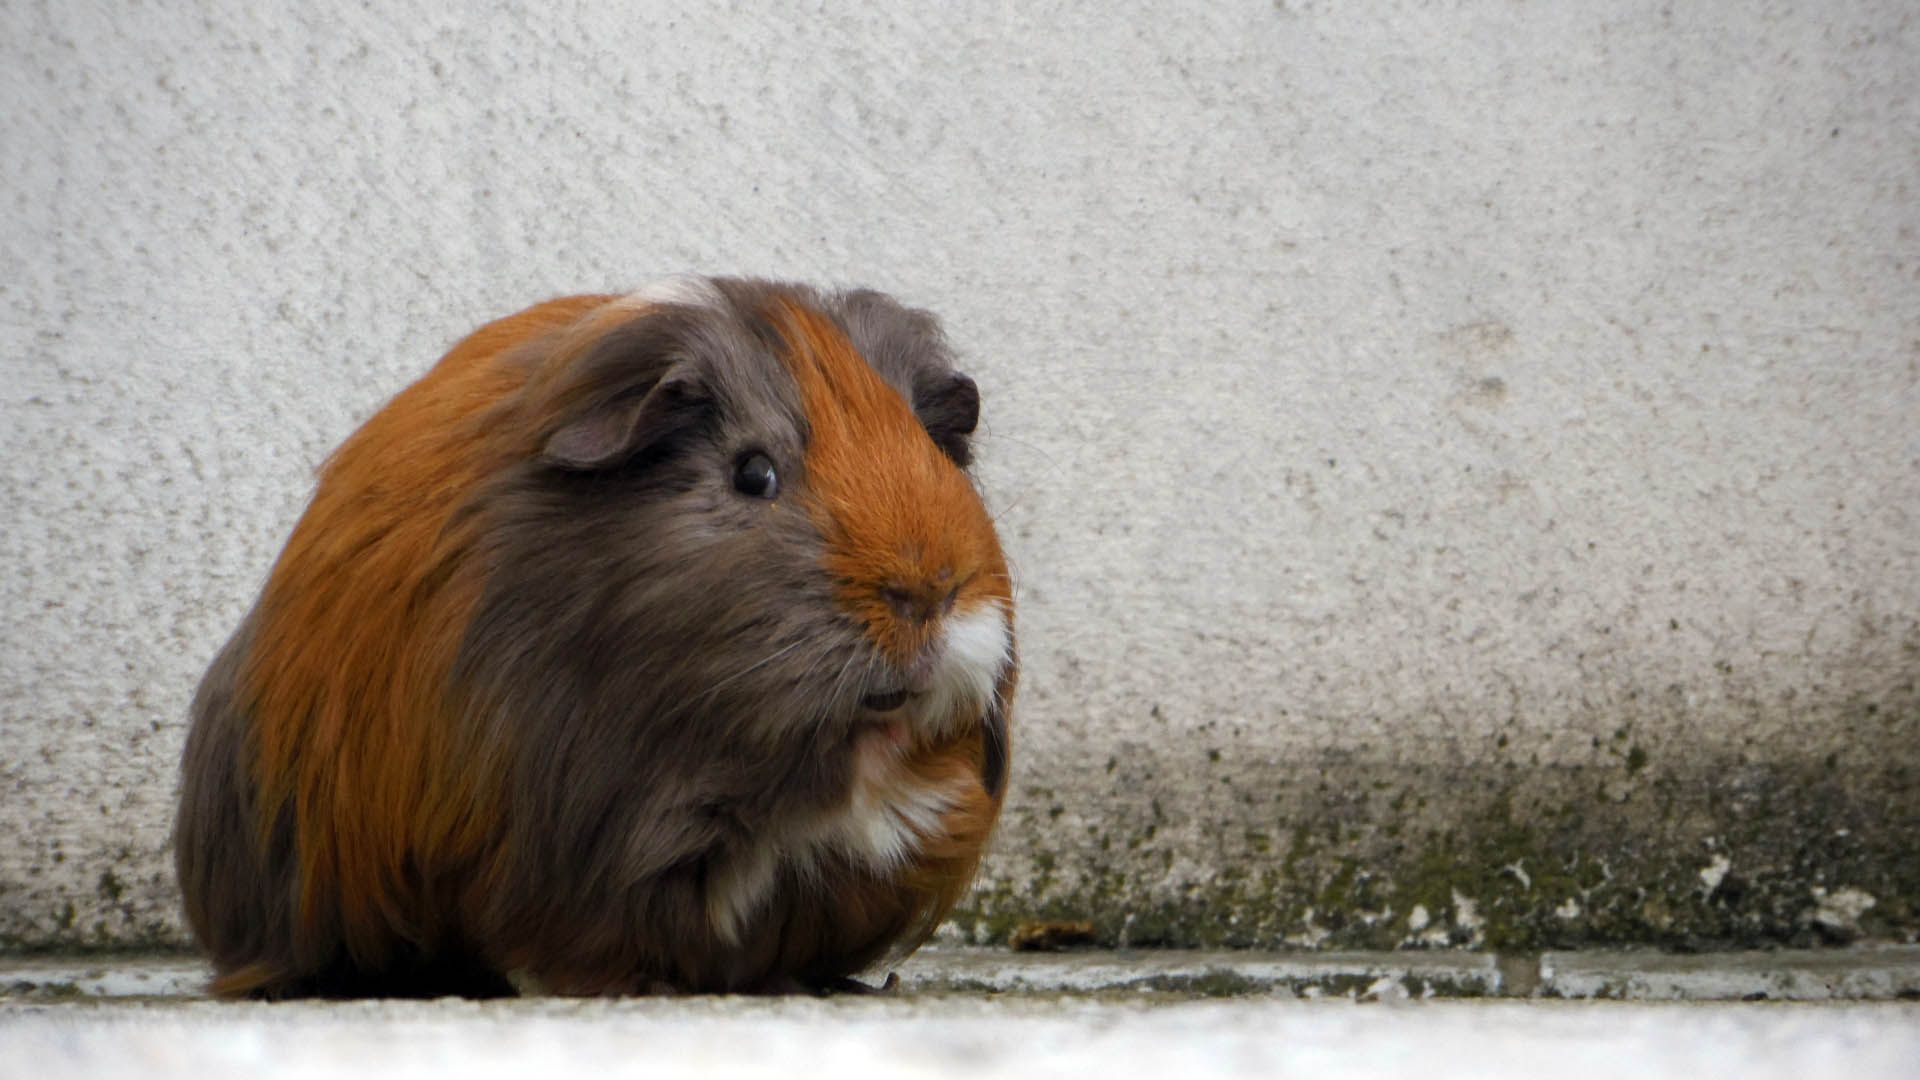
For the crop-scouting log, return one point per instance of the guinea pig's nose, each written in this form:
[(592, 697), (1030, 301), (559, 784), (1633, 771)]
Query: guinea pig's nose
[(919, 605)]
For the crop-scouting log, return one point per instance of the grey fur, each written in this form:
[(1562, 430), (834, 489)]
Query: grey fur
[(238, 897)]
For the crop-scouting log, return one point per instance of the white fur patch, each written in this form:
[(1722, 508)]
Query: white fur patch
[(888, 816), (881, 826), (737, 889), (975, 648), (688, 289)]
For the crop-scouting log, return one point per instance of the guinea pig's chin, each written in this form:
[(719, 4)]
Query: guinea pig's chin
[(974, 649)]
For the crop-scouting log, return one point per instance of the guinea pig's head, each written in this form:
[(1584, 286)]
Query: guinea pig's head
[(736, 538)]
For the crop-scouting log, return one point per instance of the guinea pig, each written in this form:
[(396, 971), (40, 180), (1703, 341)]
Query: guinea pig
[(657, 642)]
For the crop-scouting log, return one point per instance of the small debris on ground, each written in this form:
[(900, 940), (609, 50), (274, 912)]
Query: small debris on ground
[(1044, 935)]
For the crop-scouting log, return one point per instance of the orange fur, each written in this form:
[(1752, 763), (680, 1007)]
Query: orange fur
[(895, 512), (347, 673), (946, 863), (898, 515)]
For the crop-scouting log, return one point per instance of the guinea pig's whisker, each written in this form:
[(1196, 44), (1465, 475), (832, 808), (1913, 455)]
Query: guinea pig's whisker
[(860, 668), (832, 699), (1006, 507), (993, 439), (715, 689), (821, 708)]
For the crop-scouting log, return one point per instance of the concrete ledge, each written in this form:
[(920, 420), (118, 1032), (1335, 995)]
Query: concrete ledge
[(1866, 973), (1079, 1015)]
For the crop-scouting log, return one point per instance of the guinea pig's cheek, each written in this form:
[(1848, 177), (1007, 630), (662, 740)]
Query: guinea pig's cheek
[(975, 648)]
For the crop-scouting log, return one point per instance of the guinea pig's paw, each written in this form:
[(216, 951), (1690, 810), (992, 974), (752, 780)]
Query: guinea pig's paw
[(824, 987), (846, 984)]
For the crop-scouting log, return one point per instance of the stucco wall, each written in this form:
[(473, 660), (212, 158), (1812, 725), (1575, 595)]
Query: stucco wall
[(1462, 467)]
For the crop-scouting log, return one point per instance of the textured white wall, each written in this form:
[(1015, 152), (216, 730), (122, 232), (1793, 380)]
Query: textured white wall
[(1491, 409)]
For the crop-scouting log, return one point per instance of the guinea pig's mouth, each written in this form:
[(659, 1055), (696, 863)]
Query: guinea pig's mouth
[(884, 702)]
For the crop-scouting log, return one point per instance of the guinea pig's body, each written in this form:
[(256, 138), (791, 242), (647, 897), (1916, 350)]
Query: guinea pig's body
[(647, 642)]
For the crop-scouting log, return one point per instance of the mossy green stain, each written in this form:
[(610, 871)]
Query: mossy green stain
[(1541, 873)]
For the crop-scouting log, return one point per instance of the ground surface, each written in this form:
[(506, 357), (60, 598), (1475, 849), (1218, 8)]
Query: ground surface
[(966, 1012)]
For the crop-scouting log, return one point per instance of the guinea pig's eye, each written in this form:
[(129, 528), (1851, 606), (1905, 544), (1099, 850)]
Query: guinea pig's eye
[(753, 475)]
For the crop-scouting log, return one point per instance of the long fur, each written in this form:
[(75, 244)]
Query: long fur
[(533, 692)]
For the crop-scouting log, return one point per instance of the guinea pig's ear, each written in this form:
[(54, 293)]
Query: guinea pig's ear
[(614, 432), (948, 404)]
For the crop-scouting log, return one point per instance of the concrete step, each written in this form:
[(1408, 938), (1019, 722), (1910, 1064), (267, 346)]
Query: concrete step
[(1859, 973)]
